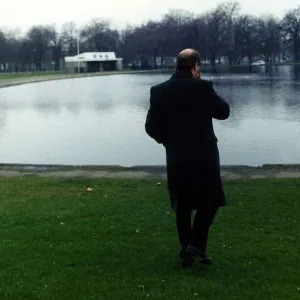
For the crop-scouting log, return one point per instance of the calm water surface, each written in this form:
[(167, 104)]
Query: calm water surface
[(100, 120)]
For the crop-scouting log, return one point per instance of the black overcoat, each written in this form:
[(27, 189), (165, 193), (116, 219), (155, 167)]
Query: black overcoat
[(180, 118)]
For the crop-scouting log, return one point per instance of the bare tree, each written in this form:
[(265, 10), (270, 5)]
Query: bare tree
[(247, 37), (231, 11), (3, 50), (217, 32), (128, 45), (100, 36), (69, 36), (39, 43), (270, 32), (222, 32), (291, 28), (177, 25)]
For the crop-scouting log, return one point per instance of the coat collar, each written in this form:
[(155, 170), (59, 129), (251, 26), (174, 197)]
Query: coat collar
[(182, 74)]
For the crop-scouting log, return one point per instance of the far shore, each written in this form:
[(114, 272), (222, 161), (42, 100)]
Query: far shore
[(233, 172), (14, 79)]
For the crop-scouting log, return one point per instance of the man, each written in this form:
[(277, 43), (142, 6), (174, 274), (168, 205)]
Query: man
[(180, 118)]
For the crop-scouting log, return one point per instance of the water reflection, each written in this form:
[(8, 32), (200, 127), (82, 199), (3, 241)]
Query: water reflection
[(100, 120), (3, 119), (48, 107)]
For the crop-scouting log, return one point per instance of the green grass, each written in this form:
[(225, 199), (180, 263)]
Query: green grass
[(9, 76), (59, 241), (13, 76)]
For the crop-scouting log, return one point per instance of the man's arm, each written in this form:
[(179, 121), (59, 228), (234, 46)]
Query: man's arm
[(153, 122), (218, 108)]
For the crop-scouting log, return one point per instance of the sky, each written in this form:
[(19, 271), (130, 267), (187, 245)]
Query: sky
[(25, 13)]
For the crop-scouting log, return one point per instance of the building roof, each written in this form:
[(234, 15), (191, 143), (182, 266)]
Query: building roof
[(93, 56)]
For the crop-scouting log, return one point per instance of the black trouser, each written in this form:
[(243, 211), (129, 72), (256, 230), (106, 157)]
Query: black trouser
[(196, 234)]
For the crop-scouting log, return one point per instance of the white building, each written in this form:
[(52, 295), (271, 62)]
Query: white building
[(93, 62)]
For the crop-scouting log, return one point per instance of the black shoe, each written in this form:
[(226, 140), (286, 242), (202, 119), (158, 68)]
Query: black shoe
[(182, 252), (187, 260), (185, 257), (193, 251), (207, 261)]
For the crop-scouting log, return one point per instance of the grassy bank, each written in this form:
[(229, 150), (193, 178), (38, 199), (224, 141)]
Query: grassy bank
[(8, 76), (208, 68), (54, 74), (61, 240)]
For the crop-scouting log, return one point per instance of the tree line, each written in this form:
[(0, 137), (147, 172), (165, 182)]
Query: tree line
[(221, 32)]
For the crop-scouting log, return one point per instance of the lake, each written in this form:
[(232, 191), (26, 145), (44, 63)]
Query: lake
[(100, 120)]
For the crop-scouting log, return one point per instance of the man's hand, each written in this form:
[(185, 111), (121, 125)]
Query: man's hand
[(197, 75)]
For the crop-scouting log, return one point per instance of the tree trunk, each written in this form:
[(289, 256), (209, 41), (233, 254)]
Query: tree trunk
[(296, 48)]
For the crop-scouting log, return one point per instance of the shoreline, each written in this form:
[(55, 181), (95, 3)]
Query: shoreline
[(233, 172), (27, 78), (31, 78)]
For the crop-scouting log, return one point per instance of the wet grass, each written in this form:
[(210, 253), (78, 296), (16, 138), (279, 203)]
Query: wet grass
[(36, 75), (9, 76), (118, 241)]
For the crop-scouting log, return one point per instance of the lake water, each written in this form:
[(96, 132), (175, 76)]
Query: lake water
[(100, 120)]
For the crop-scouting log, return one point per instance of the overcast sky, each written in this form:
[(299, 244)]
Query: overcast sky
[(25, 13)]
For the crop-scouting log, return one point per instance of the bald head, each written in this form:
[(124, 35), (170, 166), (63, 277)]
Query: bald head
[(187, 59), (186, 52)]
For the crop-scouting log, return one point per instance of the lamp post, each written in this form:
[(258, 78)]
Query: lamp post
[(33, 66), (78, 52)]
